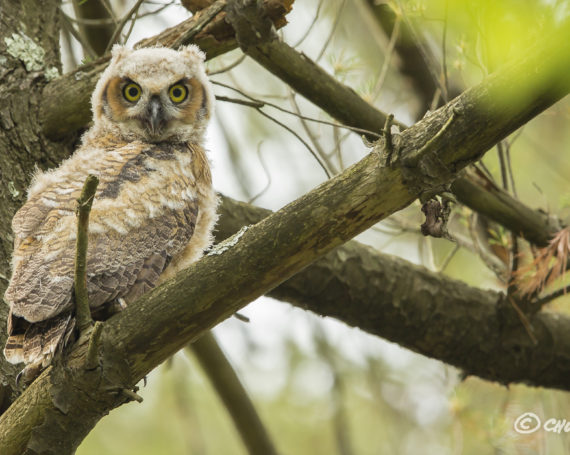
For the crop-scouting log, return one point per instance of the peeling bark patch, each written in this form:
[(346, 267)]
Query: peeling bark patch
[(221, 248)]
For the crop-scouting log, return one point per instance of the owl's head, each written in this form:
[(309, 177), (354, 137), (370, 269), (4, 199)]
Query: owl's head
[(154, 94)]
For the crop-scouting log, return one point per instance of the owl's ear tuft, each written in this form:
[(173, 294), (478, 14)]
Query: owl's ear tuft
[(119, 52), (192, 52)]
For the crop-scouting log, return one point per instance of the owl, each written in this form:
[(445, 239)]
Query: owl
[(153, 212)]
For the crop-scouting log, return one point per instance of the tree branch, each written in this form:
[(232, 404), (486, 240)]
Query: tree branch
[(98, 29), (69, 400), (342, 103), (426, 312), (233, 394)]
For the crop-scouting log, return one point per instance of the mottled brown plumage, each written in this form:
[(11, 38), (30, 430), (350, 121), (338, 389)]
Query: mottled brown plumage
[(152, 214)]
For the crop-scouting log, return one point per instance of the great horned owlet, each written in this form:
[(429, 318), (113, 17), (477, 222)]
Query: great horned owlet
[(153, 212)]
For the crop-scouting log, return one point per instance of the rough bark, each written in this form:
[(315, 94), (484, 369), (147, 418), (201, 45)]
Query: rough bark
[(28, 58), (63, 404), (423, 311)]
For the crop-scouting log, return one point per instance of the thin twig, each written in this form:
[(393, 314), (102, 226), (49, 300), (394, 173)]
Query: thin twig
[(387, 133), (333, 29), (444, 52), (314, 21), (485, 170), (267, 173), (3, 277), (121, 24), (510, 167), (553, 295), (254, 104), (387, 58), (92, 358), (84, 44), (307, 146), (286, 111), (449, 257), (503, 166), (85, 201), (524, 320), (230, 67), (206, 16), (132, 395), (324, 156), (229, 388)]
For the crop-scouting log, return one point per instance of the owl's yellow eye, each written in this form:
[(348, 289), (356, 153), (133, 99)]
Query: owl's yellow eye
[(132, 92), (178, 93)]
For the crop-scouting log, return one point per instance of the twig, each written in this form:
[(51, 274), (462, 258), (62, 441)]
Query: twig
[(241, 317), (387, 133), (122, 23), (314, 21), (510, 167), (514, 263), (333, 29), (254, 104), (286, 111), (485, 170), (230, 67), (524, 320), (267, 173), (132, 395), (449, 257), (444, 52), (85, 201), (324, 156), (92, 358), (303, 141), (553, 295), (503, 166), (205, 17), (387, 58), (3, 277), (67, 25)]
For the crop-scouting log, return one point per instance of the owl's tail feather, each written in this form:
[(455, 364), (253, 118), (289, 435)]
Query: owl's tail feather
[(37, 345)]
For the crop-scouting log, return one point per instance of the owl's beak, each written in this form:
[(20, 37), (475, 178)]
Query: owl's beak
[(154, 117)]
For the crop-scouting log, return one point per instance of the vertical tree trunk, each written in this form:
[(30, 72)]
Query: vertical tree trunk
[(29, 56)]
